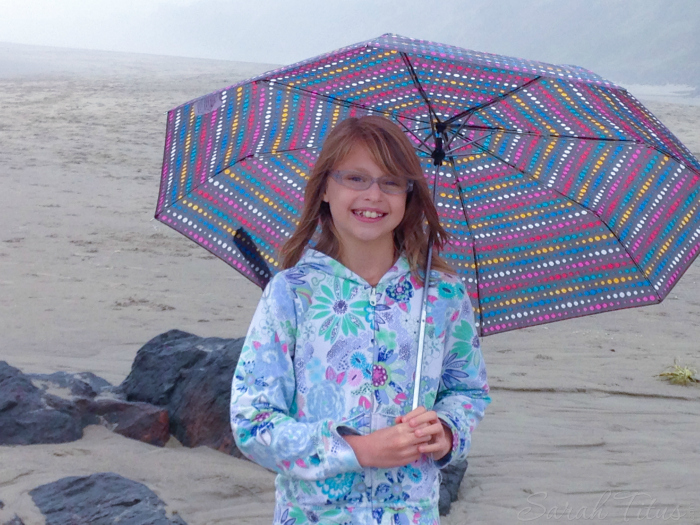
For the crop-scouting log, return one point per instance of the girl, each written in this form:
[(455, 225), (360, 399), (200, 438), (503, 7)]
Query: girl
[(323, 388)]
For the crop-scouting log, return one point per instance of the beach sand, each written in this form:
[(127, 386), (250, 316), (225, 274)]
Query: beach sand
[(580, 426)]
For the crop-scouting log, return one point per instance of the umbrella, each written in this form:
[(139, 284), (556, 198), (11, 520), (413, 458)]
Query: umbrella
[(564, 195)]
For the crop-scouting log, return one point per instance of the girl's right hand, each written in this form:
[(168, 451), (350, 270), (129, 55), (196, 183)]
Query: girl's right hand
[(389, 447)]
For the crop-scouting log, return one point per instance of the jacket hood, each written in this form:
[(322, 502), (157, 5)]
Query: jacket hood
[(323, 263)]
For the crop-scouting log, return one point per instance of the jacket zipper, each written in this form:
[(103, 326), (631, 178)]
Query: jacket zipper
[(373, 304)]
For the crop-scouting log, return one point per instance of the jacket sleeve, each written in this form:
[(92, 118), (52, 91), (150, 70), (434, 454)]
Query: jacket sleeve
[(263, 393), (463, 392)]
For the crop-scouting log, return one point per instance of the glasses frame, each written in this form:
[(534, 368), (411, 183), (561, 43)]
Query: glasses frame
[(338, 177)]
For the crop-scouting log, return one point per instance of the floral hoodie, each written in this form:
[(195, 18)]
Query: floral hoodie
[(329, 355)]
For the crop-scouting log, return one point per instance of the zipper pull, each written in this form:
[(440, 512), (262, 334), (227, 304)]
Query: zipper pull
[(373, 297)]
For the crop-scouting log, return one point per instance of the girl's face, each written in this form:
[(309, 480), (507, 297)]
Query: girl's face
[(364, 219)]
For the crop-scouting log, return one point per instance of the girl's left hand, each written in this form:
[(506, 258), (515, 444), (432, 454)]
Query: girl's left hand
[(426, 422)]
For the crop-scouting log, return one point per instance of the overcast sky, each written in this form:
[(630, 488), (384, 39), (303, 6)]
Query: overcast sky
[(627, 40)]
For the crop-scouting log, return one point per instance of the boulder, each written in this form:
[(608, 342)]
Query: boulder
[(28, 415), (100, 499), (190, 376), (83, 384), (452, 476), (159, 365), (141, 421)]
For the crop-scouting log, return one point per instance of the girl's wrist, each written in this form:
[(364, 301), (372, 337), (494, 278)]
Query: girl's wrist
[(360, 446), (447, 440)]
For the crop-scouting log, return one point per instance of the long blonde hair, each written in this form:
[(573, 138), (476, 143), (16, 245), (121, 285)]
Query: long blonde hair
[(392, 151)]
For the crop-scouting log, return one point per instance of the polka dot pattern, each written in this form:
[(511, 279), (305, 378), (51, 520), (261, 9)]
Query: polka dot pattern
[(563, 195)]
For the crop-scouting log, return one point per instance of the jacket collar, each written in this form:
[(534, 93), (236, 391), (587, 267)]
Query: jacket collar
[(322, 262)]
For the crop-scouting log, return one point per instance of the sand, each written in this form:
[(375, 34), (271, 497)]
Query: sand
[(580, 427)]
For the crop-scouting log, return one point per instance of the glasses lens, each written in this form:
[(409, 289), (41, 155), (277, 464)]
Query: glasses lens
[(361, 181), (393, 185), (356, 181)]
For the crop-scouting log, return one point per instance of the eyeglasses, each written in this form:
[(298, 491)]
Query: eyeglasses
[(361, 181)]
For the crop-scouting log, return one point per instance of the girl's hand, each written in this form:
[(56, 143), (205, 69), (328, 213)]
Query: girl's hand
[(388, 447), (426, 423)]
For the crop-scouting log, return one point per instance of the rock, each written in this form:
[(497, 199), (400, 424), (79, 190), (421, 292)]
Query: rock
[(452, 476), (84, 384), (200, 404), (28, 415), (141, 421), (158, 367), (100, 499), (191, 376)]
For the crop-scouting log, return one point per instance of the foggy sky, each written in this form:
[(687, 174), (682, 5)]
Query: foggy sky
[(652, 41)]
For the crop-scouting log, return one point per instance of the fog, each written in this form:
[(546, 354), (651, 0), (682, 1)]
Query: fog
[(632, 41)]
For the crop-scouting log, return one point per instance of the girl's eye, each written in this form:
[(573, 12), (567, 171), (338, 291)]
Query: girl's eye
[(354, 177)]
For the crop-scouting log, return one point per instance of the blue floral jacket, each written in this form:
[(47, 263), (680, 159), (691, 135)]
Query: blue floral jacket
[(328, 355)]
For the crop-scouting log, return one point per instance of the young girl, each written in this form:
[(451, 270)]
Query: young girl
[(323, 388)]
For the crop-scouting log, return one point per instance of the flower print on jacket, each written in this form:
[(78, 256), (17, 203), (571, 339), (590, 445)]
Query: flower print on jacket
[(325, 400), (328, 355), (339, 309)]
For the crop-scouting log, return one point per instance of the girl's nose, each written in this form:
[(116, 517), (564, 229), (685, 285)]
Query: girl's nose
[(374, 191)]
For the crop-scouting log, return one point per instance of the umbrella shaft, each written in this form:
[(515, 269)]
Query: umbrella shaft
[(424, 304)]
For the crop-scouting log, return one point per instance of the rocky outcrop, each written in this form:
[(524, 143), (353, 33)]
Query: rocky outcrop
[(100, 499), (191, 377), (54, 408), (84, 384), (28, 415), (141, 421)]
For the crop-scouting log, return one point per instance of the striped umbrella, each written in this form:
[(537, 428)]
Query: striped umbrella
[(564, 195)]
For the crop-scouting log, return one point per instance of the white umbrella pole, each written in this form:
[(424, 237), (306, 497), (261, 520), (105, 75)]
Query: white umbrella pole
[(424, 310)]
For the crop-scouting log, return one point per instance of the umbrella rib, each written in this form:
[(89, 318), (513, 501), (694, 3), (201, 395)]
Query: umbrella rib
[(250, 156), (641, 271), (473, 246), (337, 100), (505, 131), (468, 143), (415, 136), (496, 100), (419, 87)]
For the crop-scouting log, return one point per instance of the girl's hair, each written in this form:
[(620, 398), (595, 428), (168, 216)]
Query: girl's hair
[(392, 151)]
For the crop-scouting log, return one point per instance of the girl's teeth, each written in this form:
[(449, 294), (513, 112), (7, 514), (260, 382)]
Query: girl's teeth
[(369, 214)]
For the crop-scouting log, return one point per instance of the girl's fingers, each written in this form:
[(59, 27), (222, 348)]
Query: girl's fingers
[(430, 430), (413, 413), (430, 448), (426, 417)]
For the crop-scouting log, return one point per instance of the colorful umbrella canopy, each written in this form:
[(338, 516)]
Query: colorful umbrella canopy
[(564, 195)]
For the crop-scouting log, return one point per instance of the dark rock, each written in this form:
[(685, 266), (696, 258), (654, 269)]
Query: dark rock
[(158, 367), (452, 476), (141, 421), (100, 499), (16, 520), (29, 416), (84, 384), (200, 404), (191, 376)]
